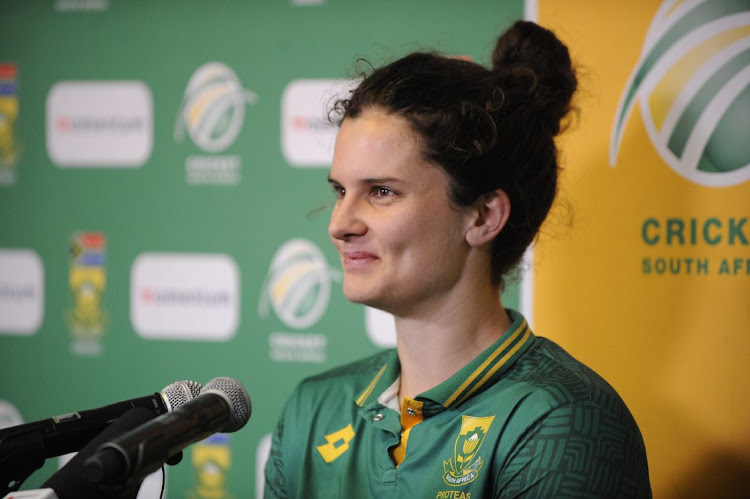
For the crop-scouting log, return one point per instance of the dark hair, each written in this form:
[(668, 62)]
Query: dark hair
[(487, 129)]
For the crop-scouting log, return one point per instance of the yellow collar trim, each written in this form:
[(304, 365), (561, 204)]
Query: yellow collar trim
[(361, 399), (523, 327), (498, 365)]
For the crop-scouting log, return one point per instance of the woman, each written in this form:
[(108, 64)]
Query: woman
[(444, 171)]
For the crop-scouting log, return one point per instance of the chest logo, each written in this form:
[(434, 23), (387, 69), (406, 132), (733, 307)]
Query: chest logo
[(338, 443), (464, 467)]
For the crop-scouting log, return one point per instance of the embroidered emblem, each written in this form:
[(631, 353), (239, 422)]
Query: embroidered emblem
[(465, 465), (338, 443)]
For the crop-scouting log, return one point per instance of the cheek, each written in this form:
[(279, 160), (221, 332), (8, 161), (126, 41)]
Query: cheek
[(427, 231), (427, 241)]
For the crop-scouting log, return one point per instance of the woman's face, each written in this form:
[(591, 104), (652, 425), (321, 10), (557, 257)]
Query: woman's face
[(401, 241)]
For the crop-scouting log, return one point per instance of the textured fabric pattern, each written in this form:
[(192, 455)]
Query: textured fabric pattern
[(524, 419)]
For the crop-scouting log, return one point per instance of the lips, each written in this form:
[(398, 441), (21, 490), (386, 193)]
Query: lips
[(358, 259)]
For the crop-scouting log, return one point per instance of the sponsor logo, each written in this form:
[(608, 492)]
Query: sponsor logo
[(261, 458), (298, 284), (9, 415), (21, 291), (380, 327), (307, 135), (99, 124), (337, 444), (184, 296), (466, 464), (87, 318), (693, 85), (212, 461), (9, 149), (212, 113)]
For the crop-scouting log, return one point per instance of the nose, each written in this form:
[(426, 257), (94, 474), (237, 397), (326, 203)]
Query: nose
[(346, 221)]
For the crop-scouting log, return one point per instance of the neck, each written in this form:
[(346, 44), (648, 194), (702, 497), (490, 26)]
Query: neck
[(434, 346)]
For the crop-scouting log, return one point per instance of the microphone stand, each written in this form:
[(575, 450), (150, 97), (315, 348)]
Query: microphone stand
[(121, 487), (21, 454), (69, 481), (24, 449)]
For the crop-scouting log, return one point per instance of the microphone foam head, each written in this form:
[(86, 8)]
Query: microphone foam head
[(236, 395), (180, 392)]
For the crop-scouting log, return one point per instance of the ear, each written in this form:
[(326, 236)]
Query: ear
[(491, 213)]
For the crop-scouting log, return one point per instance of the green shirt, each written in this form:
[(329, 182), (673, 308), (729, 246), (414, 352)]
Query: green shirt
[(524, 418)]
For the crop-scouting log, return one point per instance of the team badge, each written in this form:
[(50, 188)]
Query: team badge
[(87, 317), (212, 461), (465, 465), (9, 150)]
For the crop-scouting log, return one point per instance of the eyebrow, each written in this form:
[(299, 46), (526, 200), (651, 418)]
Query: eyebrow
[(371, 180)]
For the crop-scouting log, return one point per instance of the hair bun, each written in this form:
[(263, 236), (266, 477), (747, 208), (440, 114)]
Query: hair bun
[(530, 59)]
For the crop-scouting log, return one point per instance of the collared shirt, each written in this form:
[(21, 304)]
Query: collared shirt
[(522, 418)]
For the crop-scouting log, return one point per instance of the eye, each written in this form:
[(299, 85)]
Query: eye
[(338, 190), (382, 192)]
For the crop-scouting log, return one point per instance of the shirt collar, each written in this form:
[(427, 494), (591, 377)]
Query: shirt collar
[(477, 375)]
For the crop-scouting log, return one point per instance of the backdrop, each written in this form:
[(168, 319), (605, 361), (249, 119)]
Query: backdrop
[(164, 204), (164, 201)]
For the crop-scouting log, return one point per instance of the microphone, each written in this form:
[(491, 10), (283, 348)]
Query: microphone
[(69, 432), (222, 406), (23, 448)]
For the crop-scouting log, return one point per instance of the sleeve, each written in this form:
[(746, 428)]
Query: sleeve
[(577, 450), (275, 487)]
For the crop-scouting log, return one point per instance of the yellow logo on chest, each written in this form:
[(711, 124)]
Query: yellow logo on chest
[(465, 465), (338, 443)]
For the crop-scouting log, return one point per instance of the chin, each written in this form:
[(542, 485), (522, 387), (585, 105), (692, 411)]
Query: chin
[(363, 296), (358, 297)]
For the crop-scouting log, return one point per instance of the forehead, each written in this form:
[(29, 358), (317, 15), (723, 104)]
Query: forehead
[(376, 143)]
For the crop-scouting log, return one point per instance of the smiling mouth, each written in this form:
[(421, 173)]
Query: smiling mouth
[(356, 259)]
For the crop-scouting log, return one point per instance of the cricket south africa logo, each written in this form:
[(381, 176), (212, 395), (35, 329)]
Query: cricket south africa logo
[(213, 114), (465, 465), (213, 108), (298, 285), (693, 85)]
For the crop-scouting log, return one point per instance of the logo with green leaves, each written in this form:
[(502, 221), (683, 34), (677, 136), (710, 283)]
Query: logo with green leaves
[(693, 85), (466, 463)]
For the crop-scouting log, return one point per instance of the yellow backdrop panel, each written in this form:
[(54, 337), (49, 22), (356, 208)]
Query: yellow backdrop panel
[(643, 271)]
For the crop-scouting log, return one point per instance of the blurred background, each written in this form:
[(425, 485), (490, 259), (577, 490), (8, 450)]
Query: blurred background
[(164, 211)]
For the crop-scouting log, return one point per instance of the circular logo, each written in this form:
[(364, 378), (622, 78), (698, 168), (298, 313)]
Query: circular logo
[(213, 108), (693, 85), (298, 285)]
